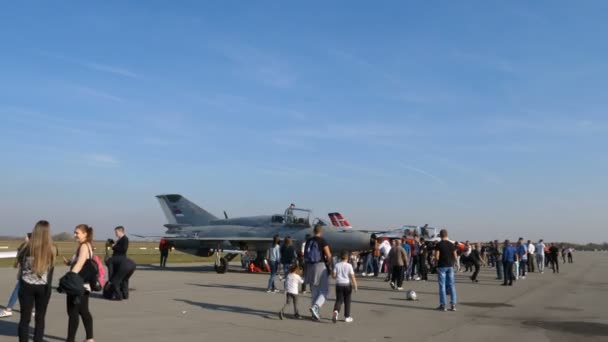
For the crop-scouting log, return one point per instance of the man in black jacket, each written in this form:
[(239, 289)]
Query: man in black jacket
[(122, 243), (120, 283)]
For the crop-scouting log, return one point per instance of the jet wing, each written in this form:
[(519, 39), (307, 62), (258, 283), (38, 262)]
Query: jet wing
[(157, 236), (8, 255), (227, 238)]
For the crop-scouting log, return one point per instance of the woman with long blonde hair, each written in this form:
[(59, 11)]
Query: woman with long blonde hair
[(36, 264)]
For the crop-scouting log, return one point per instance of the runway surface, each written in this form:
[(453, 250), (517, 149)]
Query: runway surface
[(192, 303)]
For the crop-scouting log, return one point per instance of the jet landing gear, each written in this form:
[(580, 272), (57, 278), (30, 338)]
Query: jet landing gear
[(221, 263)]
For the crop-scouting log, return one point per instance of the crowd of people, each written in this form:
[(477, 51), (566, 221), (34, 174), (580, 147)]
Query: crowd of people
[(35, 265), (409, 258)]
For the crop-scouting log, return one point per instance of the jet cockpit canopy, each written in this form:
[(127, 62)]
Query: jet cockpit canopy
[(298, 217)]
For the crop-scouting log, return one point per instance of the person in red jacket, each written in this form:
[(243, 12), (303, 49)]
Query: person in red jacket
[(164, 248)]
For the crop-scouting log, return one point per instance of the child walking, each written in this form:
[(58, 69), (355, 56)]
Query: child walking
[(292, 285), (345, 283)]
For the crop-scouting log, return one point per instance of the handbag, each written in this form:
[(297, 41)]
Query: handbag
[(90, 273), (94, 275)]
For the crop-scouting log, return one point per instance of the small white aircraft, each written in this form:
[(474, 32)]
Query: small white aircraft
[(8, 255)]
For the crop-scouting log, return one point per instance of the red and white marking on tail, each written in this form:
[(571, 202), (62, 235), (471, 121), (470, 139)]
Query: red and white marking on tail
[(338, 220)]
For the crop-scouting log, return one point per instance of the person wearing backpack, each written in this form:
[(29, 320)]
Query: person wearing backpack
[(36, 263), (81, 264), (317, 257)]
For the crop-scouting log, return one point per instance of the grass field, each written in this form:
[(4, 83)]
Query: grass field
[(140, 251)]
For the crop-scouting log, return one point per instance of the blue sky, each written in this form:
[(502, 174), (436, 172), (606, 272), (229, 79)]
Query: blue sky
[(486, 117)]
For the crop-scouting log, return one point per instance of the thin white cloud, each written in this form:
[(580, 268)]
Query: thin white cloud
[(364, 65), (423, 172), (102, 160), (345, 131), (546, 123), (96, 93), (495, 62), (93, 65), (29, 118), (357, 132), (260, 65), (239, 104), (291, 172), (156, 141), (468, 170), (292, 144), (359, 168), (110, 69)]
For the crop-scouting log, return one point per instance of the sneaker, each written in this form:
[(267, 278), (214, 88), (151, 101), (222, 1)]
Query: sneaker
[(334, 316), (348, 320), (315, 313), (269, 291), (281, 315), (441, 308), (523, 277), (392, 285), (364, 274), (5, 313), (417, 279), (453, 307), (400, 289)]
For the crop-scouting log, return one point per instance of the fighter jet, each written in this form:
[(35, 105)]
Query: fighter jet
[(194, 230)]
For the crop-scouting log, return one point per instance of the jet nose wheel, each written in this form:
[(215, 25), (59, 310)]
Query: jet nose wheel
[(222, 267)]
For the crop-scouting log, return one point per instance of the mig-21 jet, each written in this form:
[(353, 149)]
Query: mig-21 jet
[(194, 230)]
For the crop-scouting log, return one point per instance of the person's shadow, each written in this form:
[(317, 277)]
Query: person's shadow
[(9, 328), (230, 308)]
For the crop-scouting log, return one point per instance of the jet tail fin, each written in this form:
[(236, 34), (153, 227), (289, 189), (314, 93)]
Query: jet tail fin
[(181, 212), (338, 220)]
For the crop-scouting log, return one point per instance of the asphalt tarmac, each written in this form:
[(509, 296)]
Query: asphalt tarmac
[(192, 303)]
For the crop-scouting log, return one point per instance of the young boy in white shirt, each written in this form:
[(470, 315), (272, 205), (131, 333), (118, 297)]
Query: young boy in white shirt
[(345, 283)]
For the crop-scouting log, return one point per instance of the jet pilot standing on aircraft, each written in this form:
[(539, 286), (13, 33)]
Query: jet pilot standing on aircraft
[(290, 217)]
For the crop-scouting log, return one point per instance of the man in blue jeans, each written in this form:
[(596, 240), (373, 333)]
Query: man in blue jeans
[(522, 256), (445, 254), (509, 257), (8, 311)]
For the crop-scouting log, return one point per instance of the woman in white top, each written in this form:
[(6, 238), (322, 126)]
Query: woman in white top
[(36, 260), (79, 305)]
